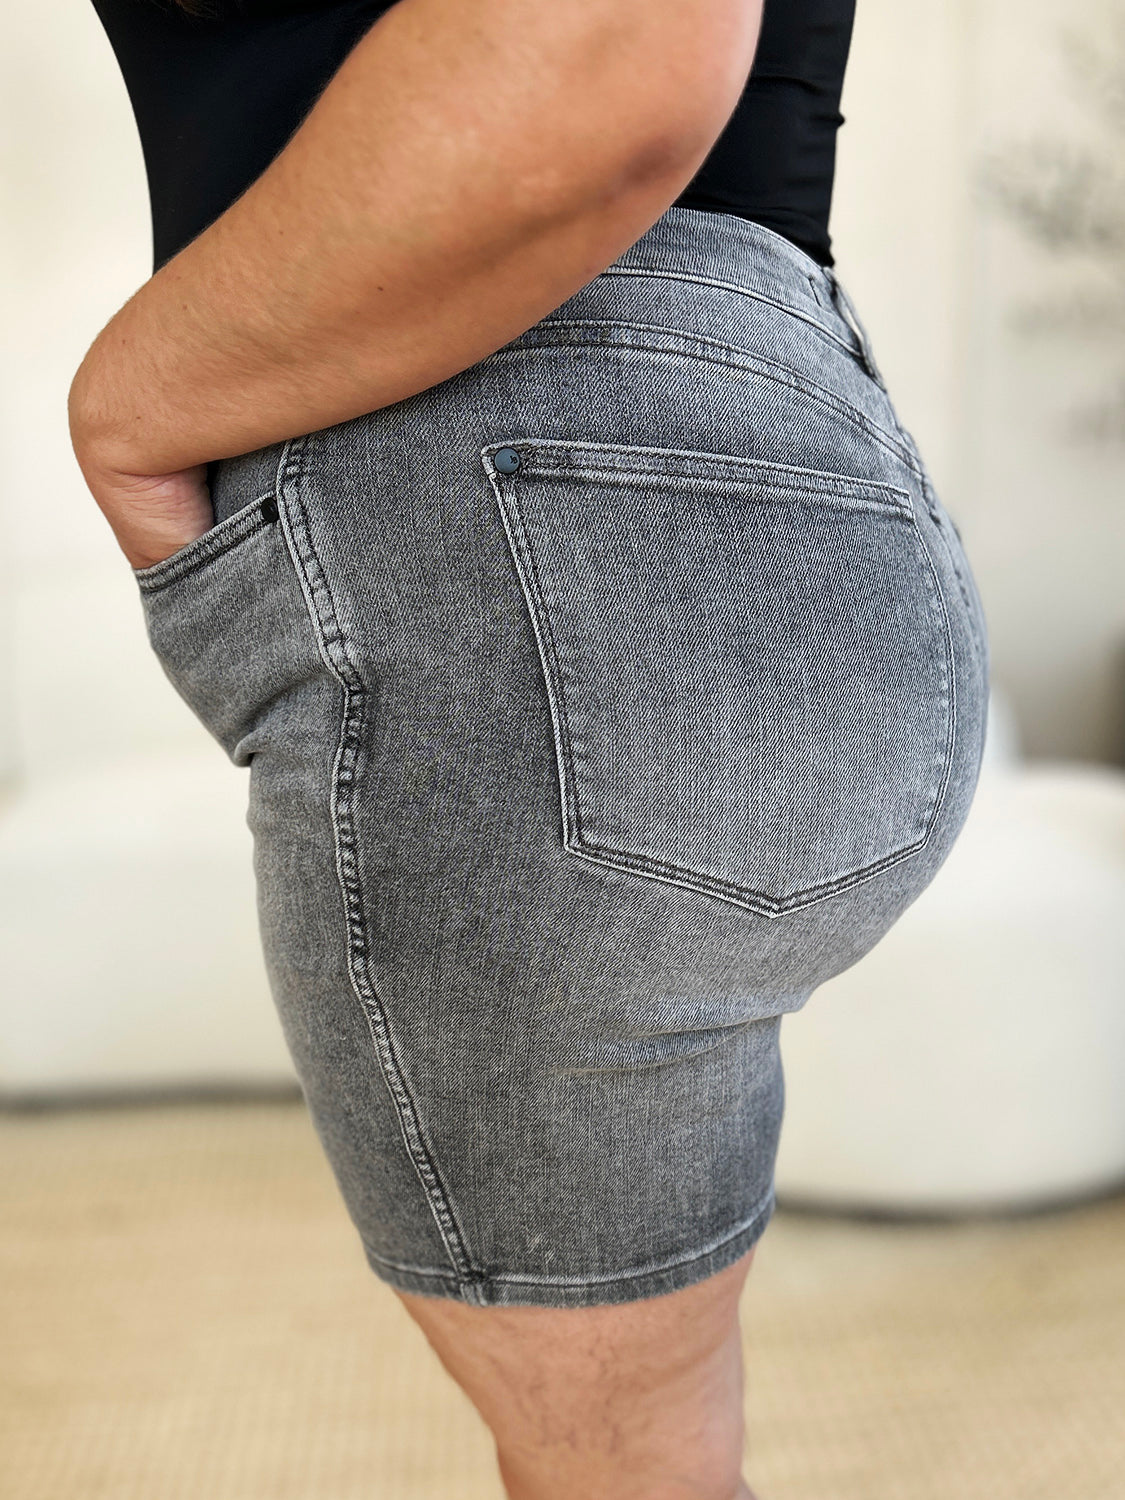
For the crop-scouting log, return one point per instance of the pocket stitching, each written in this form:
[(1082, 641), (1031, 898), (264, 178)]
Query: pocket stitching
[(953, 543), (213, 543), (527, 569), (729, 356), (653, 462)]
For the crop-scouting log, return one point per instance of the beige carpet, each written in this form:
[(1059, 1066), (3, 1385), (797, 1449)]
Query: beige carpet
[(185, 1314)]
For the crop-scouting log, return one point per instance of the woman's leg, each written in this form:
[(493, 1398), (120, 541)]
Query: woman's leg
[(634, 1401)]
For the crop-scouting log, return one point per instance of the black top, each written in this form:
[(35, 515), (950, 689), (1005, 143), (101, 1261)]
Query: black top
[(216, 98)]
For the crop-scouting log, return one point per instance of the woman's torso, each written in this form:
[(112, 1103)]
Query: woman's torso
[(217, 97)]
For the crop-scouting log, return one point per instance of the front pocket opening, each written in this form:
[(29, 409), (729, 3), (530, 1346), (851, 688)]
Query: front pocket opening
[(214, 542), (749, 667)]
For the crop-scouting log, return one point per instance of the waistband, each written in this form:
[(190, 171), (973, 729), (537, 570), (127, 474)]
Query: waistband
[(720, 248), (727, 249)]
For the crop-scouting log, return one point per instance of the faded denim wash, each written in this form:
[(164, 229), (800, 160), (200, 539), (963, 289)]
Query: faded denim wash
[(600, 703)]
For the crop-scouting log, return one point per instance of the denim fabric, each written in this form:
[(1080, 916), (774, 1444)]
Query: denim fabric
[(600, 703)]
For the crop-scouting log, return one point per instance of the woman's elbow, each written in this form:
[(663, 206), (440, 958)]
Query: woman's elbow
[(661, 97)]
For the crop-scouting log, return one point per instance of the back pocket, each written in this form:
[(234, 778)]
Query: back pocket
[(749, 666)]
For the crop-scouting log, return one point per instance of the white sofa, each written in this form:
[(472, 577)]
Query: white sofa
[(975, 1059), (129, 954), (128, 944)]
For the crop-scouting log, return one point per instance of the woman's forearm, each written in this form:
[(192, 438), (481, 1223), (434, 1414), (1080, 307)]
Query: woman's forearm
[(467, 169)]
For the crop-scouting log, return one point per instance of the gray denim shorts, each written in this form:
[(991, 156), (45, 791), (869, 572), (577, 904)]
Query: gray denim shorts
[(600, 703)]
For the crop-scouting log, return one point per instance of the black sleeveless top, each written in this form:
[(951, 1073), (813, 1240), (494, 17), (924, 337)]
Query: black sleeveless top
[(216, 97)]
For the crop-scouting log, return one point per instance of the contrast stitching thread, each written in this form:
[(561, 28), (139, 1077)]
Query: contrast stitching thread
[(595, 460), (951, 551), (761, 1210), (949, 700), (345, 775), (692, 336), (671, 874), (215, 541), (524, 560), (734, 358), (440, 1273), (765, 906), (732, 286), (758, 901)]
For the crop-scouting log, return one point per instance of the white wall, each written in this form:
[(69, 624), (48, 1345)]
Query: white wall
[(76, 246), (899, 214), (1048, 507), (944, 283)]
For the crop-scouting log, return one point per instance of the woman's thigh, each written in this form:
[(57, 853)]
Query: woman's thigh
[(599, 703)]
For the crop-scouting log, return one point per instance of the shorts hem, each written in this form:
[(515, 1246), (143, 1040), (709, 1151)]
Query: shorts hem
[(514, 1289)]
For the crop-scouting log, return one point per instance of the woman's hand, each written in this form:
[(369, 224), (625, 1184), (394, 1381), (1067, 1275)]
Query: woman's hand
[(151, 515)]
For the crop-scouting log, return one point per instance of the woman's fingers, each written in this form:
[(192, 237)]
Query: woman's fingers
[(154, 515)]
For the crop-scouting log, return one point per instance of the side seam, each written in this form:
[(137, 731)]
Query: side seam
[(346, 769)]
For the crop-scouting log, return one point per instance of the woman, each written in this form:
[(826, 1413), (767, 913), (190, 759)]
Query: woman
[(509, 484)]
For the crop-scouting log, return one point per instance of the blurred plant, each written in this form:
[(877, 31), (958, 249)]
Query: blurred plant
[(1068, 196)]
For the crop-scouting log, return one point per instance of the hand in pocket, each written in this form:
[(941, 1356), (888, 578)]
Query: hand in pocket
[(152, 515)]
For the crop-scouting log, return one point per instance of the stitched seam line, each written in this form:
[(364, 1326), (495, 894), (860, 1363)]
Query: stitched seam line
[(760, 1211), (524, 559), (949, 544), (640, 463), (767, 369), (950, 697), (549, 457), (761, 1208), (765, 906), (744, 291), (942, 523), (756, 901), (701, 341), (345, 776), (213, 543)]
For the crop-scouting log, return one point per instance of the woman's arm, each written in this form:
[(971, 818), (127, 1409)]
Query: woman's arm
[(470, 166)]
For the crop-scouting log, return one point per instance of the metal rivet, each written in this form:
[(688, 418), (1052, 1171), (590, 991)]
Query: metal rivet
[(507, 460), (269, 508)]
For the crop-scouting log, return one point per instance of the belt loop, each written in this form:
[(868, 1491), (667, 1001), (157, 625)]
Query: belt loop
[(851, 317)]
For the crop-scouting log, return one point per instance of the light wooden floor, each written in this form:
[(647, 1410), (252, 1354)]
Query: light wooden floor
[(185, 1314)]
